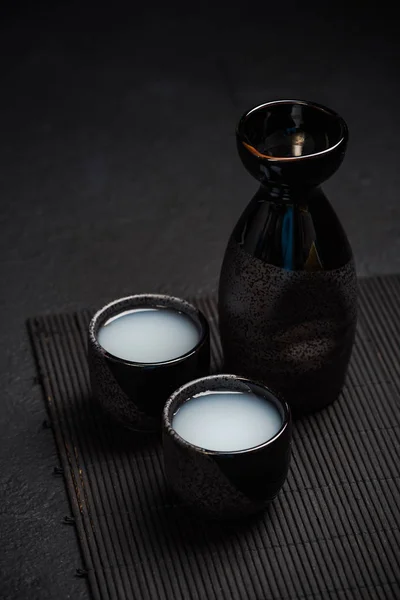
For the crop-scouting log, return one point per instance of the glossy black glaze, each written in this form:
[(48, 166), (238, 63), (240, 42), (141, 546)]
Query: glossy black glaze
[(265, 136), (288, 288), (225, 485), (135, 393)]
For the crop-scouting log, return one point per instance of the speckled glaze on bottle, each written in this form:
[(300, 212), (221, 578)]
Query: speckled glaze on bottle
[(288, 286)]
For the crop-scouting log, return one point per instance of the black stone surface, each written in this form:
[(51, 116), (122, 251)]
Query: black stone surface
[(119, 174)]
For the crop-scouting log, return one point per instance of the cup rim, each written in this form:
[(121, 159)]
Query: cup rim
[(167, 420), (240, 131), (150, 301)]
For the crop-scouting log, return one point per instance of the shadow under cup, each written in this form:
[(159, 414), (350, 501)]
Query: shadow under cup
[(226, 484), (134, 393)]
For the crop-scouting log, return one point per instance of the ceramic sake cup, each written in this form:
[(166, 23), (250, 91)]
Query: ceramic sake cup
[(134, 393), (225, 485)]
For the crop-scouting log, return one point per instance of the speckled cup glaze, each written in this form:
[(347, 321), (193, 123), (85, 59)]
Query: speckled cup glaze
[(134, 393), (225, 485)]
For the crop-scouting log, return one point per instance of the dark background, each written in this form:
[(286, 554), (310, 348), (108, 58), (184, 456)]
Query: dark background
[(119, 175)]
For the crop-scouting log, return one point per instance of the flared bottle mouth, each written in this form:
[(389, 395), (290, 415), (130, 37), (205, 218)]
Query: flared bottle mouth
[(291, 130)]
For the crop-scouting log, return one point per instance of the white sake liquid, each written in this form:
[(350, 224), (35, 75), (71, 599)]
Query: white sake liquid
[(227, 421), (149, 335)]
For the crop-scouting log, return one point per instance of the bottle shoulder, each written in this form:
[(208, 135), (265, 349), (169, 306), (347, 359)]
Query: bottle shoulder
[(302, 233)]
